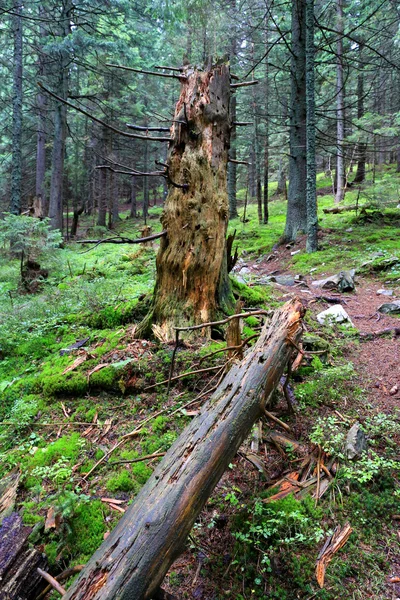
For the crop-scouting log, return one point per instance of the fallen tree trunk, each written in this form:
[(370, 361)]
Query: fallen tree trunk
[(135, 557), (348, 207)]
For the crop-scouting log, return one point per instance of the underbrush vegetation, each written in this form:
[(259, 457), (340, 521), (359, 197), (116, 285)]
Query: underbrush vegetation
[(73, 381)]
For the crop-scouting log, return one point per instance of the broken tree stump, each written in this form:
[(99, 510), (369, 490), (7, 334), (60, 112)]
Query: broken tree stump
[(133, 560), (18, 562)]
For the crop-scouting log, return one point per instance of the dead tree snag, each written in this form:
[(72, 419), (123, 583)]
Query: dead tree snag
[(133, 560), (192, 281)]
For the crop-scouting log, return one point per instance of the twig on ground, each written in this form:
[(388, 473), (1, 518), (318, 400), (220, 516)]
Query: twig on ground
[(150, 387), (53, 582), (278, 421), (139, 459), (61, 577)]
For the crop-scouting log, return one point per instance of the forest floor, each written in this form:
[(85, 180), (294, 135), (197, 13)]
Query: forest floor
[(64, 408)]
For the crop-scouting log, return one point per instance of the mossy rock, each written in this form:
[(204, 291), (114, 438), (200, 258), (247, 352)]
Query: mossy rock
[(314, 343), (251, 296), (70, 384)]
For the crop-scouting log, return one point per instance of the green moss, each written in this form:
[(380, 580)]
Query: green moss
[(251, 296), (30, 514), (87, 528), (160, 424), (70, 384), (104, 379), (141, 472), (99, 454), (52, 550), (121, 482), (53, 461)]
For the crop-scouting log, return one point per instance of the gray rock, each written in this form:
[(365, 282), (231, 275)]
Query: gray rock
[(390, 308), (335, 314), (385, 292), (356, 442), (343, 281), (288, 280)]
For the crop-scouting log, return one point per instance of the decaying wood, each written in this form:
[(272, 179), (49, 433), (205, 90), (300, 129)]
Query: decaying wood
[(18, 562), (192, 283), (283, 440), (132, 561), (394, 331), (8, 494), (340, 209), (331, 546), (233, 336)]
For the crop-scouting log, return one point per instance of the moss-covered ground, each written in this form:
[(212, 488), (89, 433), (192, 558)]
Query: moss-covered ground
[(62, 409)]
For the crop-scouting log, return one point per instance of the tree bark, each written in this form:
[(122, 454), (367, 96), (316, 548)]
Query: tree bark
[(60, 125), (192, 282), (266, 142), (133, 213), (41, 104), (311, 185), (134, 559), (296, 215), (362, 146), (16, 173), (232, 167), (340, 107)]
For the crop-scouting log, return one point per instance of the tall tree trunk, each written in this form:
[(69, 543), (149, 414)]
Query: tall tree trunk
[(311, 188), (281, 187), (192, 282), (103, 181), (132, 562), (60, 125), (232, 167), (362, 147), (145, 182), (340, 106), (266, 143), (16, 173), (41, 105), (296, 215), (133, 213)]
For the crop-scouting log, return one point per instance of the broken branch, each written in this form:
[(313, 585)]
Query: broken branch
[(96, 120), (172, 76)]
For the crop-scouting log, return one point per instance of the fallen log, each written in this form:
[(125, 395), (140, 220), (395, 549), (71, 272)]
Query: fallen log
[(19, 579), (133, 560), (339, 209)]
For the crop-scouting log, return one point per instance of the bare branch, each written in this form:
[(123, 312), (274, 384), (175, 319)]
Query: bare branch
[(144, 128), (96, 120), (133, 172), (244, 84), (123, 240), (178, 69), (180, 77)]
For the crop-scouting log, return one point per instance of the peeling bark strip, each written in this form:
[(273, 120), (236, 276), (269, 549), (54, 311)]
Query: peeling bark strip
[(192, 281), (135, 557)]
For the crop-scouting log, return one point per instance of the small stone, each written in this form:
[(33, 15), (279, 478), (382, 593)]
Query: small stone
[(383, 292), (394, 390), (349, 230), (295, 252), (390, 308), (288, 280), (356, 442), (336, 314)]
